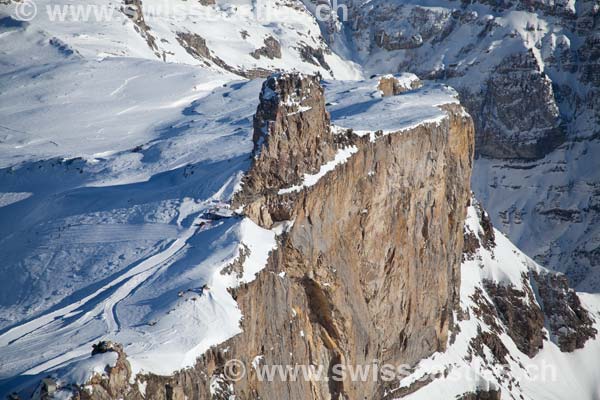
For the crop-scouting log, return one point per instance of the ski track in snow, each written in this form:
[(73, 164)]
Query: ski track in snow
[(124, 284)]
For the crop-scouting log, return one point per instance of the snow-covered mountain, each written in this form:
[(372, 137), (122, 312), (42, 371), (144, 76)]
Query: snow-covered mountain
[(155, 197), (245, 38)]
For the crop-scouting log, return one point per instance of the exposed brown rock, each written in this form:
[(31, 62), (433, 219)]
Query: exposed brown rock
[(389, 85), (237, 265), (357, 286), (114, 384), (482, 395), (487, 237), (362, 286), (292, 136), (470, 246), (271, 49), (520, 315), (559, 310), (569, 323), (533, 119), (104, 347), (134, 11), (315, 56), (493, 342), (485, 310), (196, 46)]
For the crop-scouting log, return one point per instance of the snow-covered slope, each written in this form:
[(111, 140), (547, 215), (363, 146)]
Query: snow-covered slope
[(549, 208), (123, 139), (115, 172), (525, 72), (488, 355), (244, 37), (121, 243)]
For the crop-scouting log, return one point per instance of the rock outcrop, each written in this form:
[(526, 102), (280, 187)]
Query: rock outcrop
[(391, 85), (503, 331), (134, 11), (368, 273), (292, 137), (520, 314), (195, 45), (482, 395), (271, 49), (518, 116), (115, 383), (570, 325), (369, 268), (543, 300)]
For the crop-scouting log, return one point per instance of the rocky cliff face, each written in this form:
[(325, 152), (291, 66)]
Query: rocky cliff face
[(542, 302), (527, 73), (292, 137), (509, 70), (368, 266), (368, 269), (517, 88)]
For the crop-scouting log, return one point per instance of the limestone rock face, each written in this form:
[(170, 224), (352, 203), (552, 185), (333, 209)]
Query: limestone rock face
[(134, 11), (116, 380), (369, 270), (532, 87), (482, 395), (391, 85), (544, 300), (520, 314), (370, 267), (195, 45), (271, 49), (569, 323)]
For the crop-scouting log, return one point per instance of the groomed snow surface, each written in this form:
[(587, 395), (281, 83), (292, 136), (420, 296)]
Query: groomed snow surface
[(127, 245)]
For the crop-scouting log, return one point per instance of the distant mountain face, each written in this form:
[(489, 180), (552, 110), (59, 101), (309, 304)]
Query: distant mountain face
[(528, 73), (242, 37), (526, 70)]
